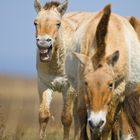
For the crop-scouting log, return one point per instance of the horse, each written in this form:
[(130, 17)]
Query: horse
[(104, 88), (107, 54), (50, 61), (57, 35), (54, 34)]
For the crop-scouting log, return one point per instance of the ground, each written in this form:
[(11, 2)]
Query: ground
[(19, 103), (19, 110)]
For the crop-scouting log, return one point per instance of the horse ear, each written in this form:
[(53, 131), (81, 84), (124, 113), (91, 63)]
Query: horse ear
[(101, 33), (132, 21), (63, 7), (113, 58), (82, 58), (37, 5)]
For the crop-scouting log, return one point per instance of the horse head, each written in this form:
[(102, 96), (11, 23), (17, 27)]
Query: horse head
[(48, 26), (99, 85)]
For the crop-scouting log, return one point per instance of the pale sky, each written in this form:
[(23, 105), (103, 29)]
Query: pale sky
[(17, 41)]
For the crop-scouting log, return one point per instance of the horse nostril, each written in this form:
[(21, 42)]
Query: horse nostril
[(37, 39), (91, 124), (100, 123), (48, 40)]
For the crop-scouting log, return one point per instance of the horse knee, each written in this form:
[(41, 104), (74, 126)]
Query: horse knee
[(44, 112), (66, 119), (44, 115)]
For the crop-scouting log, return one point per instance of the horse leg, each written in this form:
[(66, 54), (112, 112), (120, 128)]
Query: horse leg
[(113, 134), (82, 115), (106, 136), (66, 116), (44, 113), (116, 130), (76, 119), (126, 129)]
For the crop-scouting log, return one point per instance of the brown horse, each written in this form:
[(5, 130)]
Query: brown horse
[(109, 51)]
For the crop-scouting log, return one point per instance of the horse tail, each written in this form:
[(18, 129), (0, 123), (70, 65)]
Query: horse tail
[(131, 106)]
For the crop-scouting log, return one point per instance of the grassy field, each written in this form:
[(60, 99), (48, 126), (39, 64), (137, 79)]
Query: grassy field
[(19, 110)]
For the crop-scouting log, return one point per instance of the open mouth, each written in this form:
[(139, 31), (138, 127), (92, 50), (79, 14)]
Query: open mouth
[(93, 128), (45, 54)]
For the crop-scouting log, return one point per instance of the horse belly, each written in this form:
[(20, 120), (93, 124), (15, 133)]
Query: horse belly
[(133, 47), (72, 68), (134, 62)]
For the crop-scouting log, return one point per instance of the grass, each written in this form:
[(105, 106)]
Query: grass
[(19, 111), (19, 104)]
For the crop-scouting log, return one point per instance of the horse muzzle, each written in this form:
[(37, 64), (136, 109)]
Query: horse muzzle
[(45, 46), (96, 121)]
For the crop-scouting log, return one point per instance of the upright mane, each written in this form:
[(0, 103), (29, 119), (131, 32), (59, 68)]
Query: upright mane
[(51, 4)]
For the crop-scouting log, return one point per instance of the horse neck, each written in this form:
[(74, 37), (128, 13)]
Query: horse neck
[(56, 65)]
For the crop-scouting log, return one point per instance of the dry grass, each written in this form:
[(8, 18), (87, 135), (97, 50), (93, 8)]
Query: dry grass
[(19, 110)]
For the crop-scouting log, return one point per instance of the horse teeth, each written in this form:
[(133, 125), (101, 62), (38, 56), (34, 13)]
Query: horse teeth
[(44, 51), (46, 58)]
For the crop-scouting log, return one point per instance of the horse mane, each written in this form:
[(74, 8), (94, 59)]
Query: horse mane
[(51, 4), (131, 106), (101, 32)]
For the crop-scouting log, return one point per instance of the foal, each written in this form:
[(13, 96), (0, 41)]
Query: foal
[(100, 85)]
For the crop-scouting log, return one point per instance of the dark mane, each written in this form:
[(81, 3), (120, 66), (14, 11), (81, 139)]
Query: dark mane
[(131, 106), (51, 4)]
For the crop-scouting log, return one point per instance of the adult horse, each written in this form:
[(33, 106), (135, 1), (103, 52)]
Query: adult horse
[(54, 34), (50, 61), (109, 54)]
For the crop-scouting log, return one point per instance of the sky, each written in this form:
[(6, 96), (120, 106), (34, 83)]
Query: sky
[(17, 32)]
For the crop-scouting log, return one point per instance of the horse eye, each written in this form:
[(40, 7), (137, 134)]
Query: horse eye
[(86, 83), (108, 103), (35, 23), (100, 65), (111, 85), (58, 25)]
